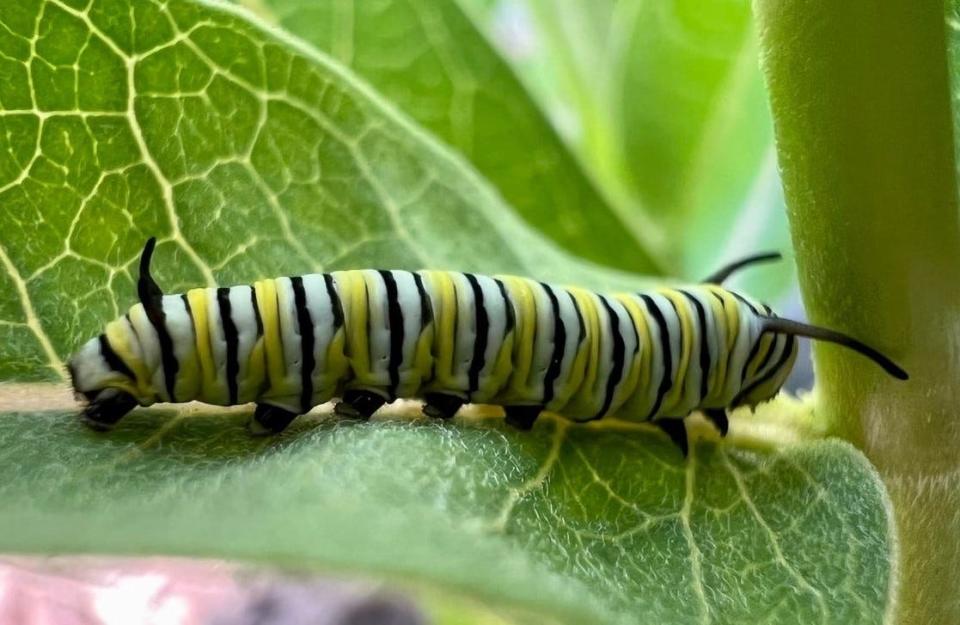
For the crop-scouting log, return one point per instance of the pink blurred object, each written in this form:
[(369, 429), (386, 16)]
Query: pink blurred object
[(180, 591), (111, 591)]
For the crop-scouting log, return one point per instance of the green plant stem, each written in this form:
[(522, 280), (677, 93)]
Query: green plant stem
[(861, 101)]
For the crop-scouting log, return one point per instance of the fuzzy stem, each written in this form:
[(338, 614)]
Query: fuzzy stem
[(861, 102)]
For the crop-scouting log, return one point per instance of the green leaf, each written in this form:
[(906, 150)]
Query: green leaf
[(579, 524), (429, 59)]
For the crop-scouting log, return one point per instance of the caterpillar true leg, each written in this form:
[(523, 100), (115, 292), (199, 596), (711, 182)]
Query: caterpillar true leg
[(269, 419), (359, 403), (522, 417), (718, 417), (441, 405), (677, 432), (107, 408)]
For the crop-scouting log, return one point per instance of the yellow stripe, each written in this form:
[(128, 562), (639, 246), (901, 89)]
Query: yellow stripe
[(733, 326), (337, 362), (640, 372), (525, 332), (367, 285), (256, 372), (422, 355), (208, 372), (445, 329), (766, 345), (686, 345), (273, 345), (118, 335), (587, 363), (771, 386), (727, 316), (575, 380), (354, 298)]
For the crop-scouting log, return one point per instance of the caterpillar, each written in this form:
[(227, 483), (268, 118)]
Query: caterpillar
[(369, 337)]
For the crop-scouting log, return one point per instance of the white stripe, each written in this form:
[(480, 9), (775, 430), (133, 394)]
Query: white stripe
[(466, 332), (672, 323), (629, 335), (408, 297), (241, 311), (290, 338), (542, 342), (496, 310), (565, 386), (180, 328), (149, 349)]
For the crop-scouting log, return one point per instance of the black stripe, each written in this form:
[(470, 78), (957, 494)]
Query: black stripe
[(769, 354), (788, 347), (583, 328), (231, 336), (559, 344), (704, 343), (755, 348), (508, 308), (482, 329), (256, 311), (305, 327), (745, 302), (366, 298), (619, 352), (723, 304), (633, 325), (167, 356), (193, 329), (636, 331), (456, 320), (335, 304), (426, 307), (753, 354), (113, 361), (395, 315), (667, 380), (189, 309), (426, 318)]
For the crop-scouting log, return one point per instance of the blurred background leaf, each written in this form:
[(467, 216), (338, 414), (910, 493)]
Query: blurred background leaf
[(664, 103), (428, 59)]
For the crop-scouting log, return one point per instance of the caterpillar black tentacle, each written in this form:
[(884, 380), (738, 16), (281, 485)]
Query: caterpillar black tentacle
[(371, 336), (720, 276)]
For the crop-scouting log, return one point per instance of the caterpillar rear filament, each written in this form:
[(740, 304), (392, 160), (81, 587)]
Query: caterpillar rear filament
[(369, 337)]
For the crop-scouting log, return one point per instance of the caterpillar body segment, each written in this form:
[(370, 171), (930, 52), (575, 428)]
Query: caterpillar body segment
[(373, 336)]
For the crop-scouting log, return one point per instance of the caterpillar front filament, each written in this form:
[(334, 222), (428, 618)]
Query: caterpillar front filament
[(372, 336)]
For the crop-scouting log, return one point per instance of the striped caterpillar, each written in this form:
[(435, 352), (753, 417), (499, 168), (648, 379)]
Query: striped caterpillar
[(369, 337)]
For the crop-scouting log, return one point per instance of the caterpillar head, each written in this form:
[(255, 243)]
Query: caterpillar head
[(104, 381), (771, 361), (108, 372), (763, 385)]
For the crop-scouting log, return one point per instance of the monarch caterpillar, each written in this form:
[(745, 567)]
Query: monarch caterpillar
[(372, 336)]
